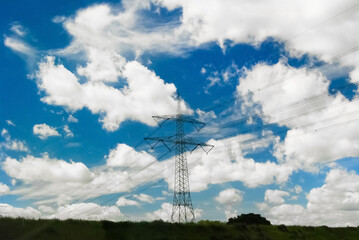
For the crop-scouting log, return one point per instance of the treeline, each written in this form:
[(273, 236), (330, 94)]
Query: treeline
[(246, 227)]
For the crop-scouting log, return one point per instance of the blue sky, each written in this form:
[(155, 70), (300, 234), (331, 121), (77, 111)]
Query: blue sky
[(276, 84)]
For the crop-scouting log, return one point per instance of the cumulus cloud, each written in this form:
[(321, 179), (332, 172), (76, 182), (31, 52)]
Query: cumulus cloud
[(46, 210), (12, 144), (50, 180), (30, 169), (145, 95), (125, 156), (226, 162), (230, 198), (144, 198), (4, 189), (7, 210), (68, 132), (72, 119), (82, 211), (275, 196), (333, 204), (252, 22), (312, 115), (44, 131), (122, 201), (88, 211)]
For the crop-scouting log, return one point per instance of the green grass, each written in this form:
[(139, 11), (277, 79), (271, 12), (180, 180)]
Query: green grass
[(11, 228)]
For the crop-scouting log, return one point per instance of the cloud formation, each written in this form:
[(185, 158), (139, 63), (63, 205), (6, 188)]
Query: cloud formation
[(43, 131), (333, 204), (4, 189), (303, 104), (12, 144), (122, 201), (230, 198), (31, 169), (145, 94)]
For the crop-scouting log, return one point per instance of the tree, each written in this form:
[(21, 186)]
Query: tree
[(249, 219)]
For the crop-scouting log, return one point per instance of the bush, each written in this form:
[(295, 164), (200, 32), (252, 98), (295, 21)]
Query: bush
[(282, 228), (249, 219)]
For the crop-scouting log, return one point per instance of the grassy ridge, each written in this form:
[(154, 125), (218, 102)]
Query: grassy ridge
[(204, 230)]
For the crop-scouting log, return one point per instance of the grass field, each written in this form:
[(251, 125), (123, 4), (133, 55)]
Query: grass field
[(19, 228)]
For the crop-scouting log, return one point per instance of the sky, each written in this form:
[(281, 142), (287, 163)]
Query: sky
[(276, 83)]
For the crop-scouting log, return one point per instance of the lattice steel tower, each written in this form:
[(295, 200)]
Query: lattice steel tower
[(182, 209)]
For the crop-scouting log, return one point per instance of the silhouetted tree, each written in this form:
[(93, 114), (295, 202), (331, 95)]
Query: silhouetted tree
[(249, 219)]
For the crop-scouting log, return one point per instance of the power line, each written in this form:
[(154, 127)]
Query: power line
[(323, 22)]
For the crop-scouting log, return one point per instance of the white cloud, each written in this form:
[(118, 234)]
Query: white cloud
[(88, 211), (7, 210), (226, 76), (310, 108), (18, 45), (133, 102), (205, 116), (16, 145), (4, 189), (298, 189), (5, 133), (30, 169), (226, 162), (252, 22), (122, 201), (68, 132), (275, 196), (125, 156), (49, 180), (229, 196), (10, 123), (144, 198), (83, 211), (46, 210), (105, 66), (12, 144), (59, 19), (333, 204), (44, 131), (124, 31), (72, 119), (18, 29), (203, 71), (164, 213)]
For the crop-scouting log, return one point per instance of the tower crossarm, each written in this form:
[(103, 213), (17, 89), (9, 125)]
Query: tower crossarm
[(161, 119), (187, 141), (153, 141)]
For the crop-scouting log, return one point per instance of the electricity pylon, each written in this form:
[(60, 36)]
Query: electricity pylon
[(182, 209)]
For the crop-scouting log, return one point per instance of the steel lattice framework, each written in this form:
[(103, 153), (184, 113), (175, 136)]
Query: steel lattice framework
[(182, 209)]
